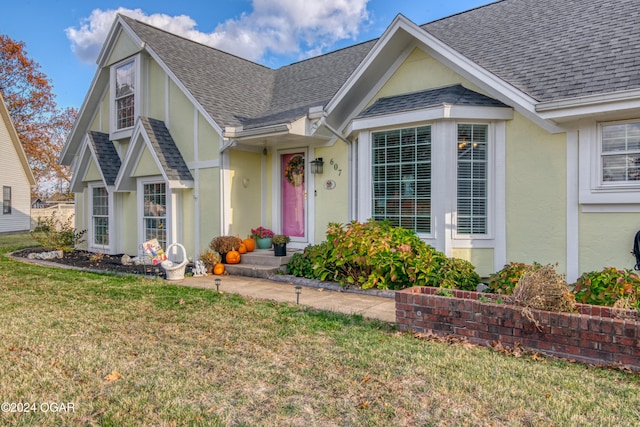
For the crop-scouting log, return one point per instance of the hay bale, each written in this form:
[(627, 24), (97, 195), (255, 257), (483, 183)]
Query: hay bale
[(544, 289)]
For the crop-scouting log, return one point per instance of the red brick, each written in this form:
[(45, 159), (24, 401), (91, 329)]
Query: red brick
[(598, 355), (595, 336), (628, 342)]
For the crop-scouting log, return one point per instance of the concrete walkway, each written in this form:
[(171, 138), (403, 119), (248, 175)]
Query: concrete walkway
[(375, 307)]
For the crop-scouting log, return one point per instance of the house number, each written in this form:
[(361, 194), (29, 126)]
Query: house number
[(335, 167)]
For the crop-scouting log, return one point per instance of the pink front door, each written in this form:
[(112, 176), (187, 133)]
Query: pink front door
[(293, 190)]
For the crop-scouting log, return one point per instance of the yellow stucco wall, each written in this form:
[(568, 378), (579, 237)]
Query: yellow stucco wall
[(128, 222), (156, 91), (245, 182), (146, 165), (208, 141), (209, 206), (181, 122), (420, 72), (331, 204), (535, 194), (481, 258), (124, 47), (606, 240), (93, 174)]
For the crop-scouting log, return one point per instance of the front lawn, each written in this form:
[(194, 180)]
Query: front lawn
[(130, 351)]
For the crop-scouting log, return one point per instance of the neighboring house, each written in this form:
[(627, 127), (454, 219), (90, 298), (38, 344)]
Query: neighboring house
[(16, 178), (510, 132)]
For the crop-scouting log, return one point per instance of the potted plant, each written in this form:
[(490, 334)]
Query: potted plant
[(280, 244), (262, 236), (224, 244)]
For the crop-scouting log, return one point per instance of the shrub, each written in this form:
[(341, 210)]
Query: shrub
[(209, 258), (52, 232), (504, 281), (300, 265), (375, 254), (607, 286)]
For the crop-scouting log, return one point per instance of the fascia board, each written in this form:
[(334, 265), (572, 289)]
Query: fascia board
[(573, 108), (446, 111), (131, 157), (84, 119), (118, 26), (81, 168)]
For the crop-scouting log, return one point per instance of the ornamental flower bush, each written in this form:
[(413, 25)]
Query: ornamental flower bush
[(608, 287), (261, 232), (377, 255)]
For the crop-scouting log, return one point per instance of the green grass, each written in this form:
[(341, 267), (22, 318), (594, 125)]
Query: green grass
[(198, 357)]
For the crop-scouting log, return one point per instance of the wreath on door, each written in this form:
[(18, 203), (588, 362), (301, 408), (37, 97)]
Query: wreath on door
[(294, 171)]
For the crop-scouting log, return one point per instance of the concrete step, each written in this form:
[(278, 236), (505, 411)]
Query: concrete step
[(265, 257), (260, 263)]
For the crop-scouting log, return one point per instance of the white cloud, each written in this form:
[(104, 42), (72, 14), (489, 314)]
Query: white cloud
[(277, 27)]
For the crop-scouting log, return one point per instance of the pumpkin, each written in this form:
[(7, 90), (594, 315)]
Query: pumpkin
[(218, 268), (233, 257), (250, 244), (242, 249)]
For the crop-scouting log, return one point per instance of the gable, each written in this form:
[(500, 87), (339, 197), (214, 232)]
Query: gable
[(123, 47), (14, 157), (92, 173), (419, 72), (146, 165)]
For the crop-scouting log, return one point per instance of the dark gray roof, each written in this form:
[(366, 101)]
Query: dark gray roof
[(228, 87), (548, 49), (452, 95), (165, 148), (107, 156), (551, 49)]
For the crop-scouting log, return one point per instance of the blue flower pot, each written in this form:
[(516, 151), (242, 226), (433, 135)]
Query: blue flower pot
[(263, 242)]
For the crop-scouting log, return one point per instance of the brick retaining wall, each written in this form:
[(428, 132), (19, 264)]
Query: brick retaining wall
[(593, 335)]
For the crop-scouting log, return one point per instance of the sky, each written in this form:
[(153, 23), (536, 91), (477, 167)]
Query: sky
[(65, 37)]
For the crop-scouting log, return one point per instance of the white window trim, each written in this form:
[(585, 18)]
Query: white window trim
[(169, 216), (107, 249), (443, 236), (594, 195), (116, 133), (491, 138)]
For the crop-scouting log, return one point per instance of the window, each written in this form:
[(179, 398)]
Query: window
[(155, 213), (100, 216), (620, 152), (125, 88), (6, 200), (472, 185), (401, 161)]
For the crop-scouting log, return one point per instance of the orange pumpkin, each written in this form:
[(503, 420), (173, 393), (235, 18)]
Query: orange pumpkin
[(242, 249), (233, 257), (218, 268), (250, 244)]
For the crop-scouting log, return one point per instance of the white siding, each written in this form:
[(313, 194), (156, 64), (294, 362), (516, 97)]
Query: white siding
[(13, 175)]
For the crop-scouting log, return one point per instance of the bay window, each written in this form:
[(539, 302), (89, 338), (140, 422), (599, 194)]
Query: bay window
[(401, 161), (472, 179)]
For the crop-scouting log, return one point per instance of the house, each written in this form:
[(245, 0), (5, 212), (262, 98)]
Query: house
[(510, 132), (16, 178)]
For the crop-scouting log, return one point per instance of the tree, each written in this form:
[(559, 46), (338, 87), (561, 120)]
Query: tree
[(41, 126)]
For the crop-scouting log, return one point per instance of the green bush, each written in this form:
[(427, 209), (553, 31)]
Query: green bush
[(376, 255), (54, 233), (504, 281), (607, 286)]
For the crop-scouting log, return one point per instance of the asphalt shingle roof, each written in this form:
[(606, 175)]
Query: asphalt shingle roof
[(165, 148), (451, 95), (551, 49), (548, 49), (107, 156)]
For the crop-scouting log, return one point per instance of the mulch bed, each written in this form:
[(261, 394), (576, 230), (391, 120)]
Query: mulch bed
[(99, 262)]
